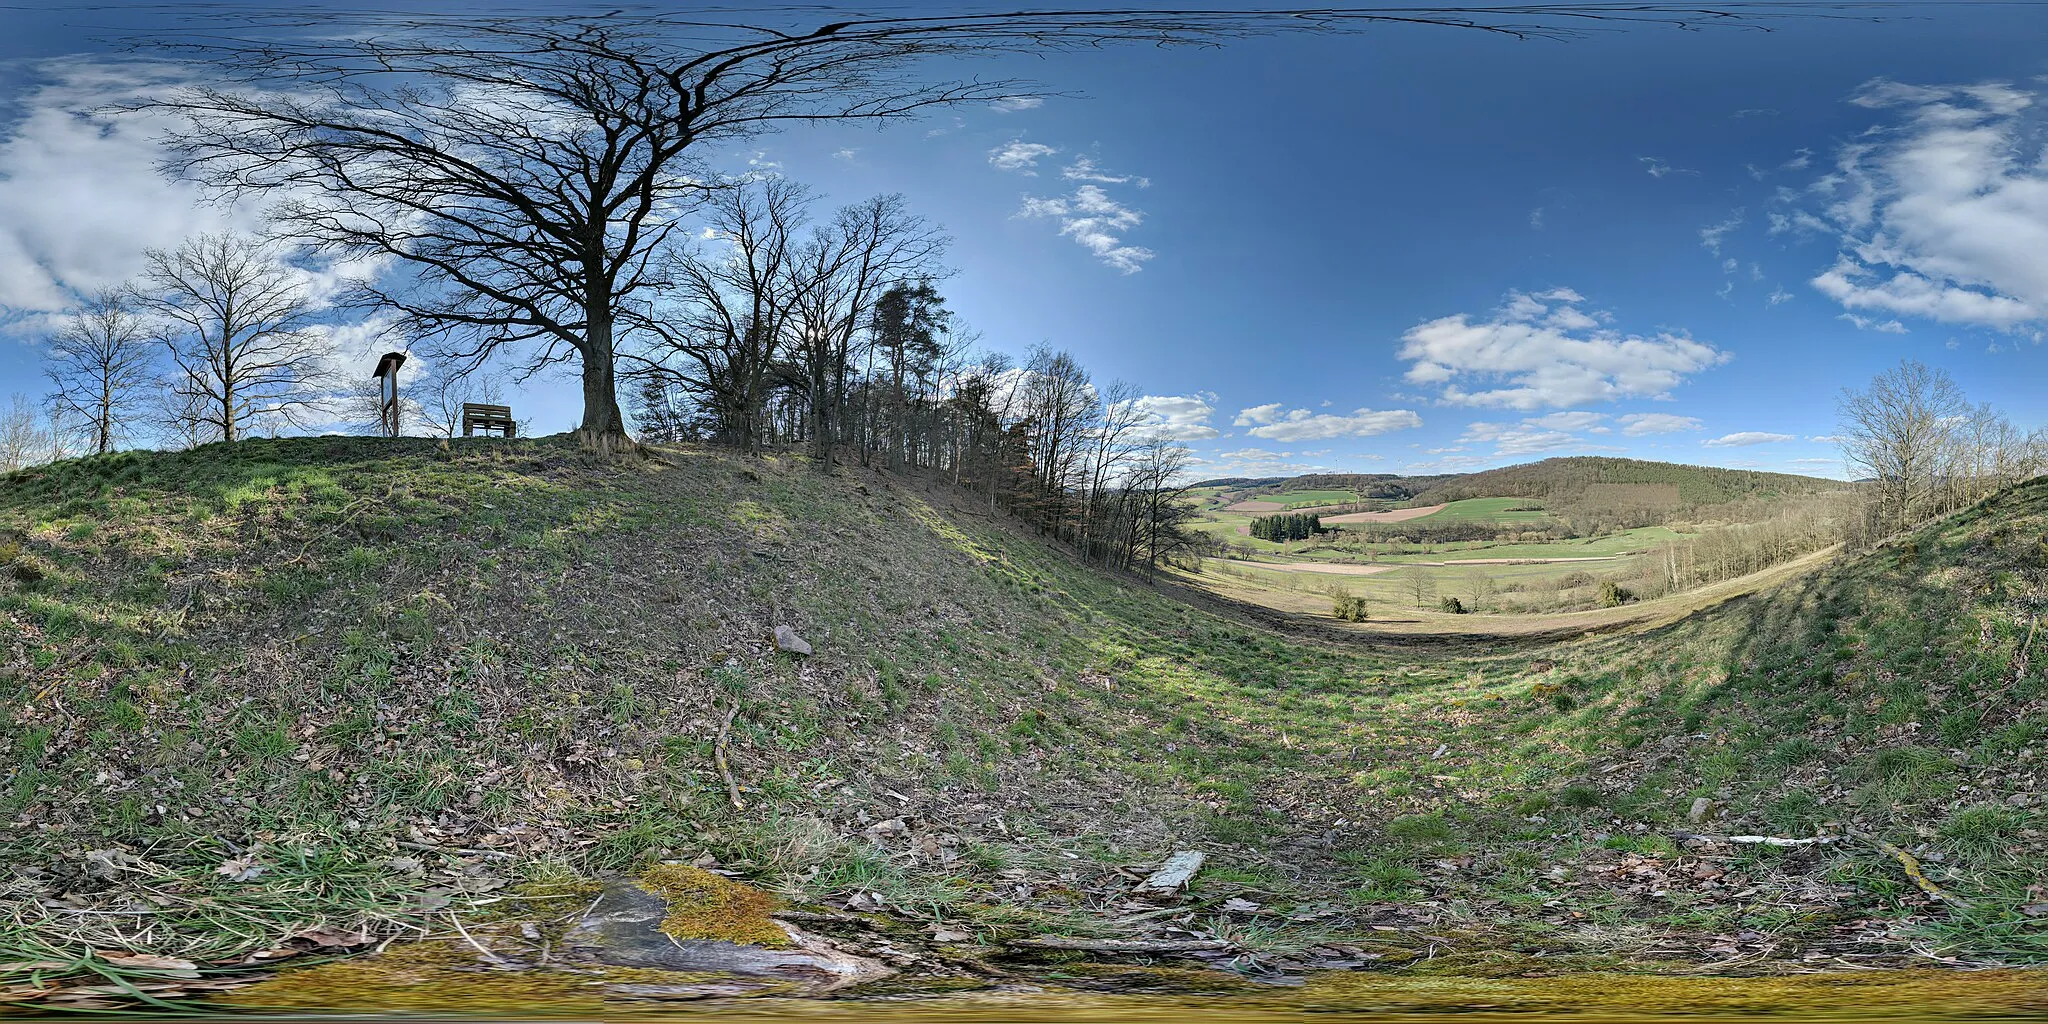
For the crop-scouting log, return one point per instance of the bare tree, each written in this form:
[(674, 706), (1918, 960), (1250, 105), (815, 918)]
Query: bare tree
[(25, 437), (234, 321), (737, 303), (1900, 432), (528, 171), (100, 366)]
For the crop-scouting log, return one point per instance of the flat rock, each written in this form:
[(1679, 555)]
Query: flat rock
[(623, 929), (787, 639)]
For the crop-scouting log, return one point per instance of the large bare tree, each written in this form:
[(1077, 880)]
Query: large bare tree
[(100, 366), (1901, 432), (528, 171), (234, 319)]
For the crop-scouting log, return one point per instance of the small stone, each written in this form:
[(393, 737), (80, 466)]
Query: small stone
[(787, 639), (1701, 807)]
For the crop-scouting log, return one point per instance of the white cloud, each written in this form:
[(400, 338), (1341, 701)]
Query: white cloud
[(1712, 235), (1528, 438), (1746, 438), (1942, 213), (1012, 104), (1018, 155), (1185, 417), (1567, 420), (1084, 169), (1658, 168), (1548, 357), (1258, 414), (1637, 424), (1259, 462), (1303, 425), (1880, 326), (80, 197), (1778, 296), (1825, 439), (847, 153), (1090, 217)]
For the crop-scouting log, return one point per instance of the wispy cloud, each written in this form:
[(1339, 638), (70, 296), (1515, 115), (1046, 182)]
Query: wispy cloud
[(1019, 156), (1084, 169), (1013, 104), (1548, 353), (1712, 235), (1746, 438), (1533, 436), (1658, 168), (1864, 323), (1098, 222), (1639, 424)]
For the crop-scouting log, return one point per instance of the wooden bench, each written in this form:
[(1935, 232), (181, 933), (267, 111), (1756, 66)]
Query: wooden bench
[(489, 419)]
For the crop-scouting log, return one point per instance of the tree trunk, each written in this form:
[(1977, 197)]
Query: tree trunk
[(604, 426)]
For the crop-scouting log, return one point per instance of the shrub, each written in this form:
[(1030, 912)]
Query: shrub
[(1614, 595), (1574, 579), (1348, 608), (1451, 605)]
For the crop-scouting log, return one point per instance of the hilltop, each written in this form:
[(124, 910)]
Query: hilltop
[(378, 676)]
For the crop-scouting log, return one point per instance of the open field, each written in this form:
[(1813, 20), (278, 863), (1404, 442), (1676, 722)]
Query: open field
[(1498, 510), (1393, 515), (1625, 542), (1395, 615)]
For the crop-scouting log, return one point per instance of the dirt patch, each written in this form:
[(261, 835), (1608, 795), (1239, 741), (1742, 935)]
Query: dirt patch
[(1394, 515)]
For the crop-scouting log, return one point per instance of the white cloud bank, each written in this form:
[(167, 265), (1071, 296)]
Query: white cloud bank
[(1640, 424), (80, 197), (1182, 417), (1548, 353), (1943, 212), (1303, 425)]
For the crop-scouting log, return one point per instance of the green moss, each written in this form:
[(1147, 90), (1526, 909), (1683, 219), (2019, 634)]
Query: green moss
[(705, 905)]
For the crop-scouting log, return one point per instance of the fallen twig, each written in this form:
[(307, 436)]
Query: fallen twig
[(1911, 864), (732, 788), (1755, 840), (1126, 945)]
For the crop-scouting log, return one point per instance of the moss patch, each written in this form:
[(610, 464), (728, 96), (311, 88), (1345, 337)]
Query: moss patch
[(705, 905)]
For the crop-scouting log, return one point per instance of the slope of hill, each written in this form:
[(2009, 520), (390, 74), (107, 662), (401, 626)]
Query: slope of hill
[(313, 680), (1574, 478)]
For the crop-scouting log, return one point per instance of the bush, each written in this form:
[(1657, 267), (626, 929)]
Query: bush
[(1574, 579), (1614, 595), (1451, 605), (1350, 609)]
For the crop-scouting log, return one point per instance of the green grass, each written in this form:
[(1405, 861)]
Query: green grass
[(1494, 510), (522, 647)]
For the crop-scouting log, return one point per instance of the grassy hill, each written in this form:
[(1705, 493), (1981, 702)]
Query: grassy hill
[(1594, 477), (308, 679)]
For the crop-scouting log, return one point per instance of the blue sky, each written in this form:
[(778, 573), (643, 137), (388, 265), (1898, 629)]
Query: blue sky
[(1408, 250)]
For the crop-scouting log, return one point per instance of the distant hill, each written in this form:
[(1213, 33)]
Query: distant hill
[(1570, 480)]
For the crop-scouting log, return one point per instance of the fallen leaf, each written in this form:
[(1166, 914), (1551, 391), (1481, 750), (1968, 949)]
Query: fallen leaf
[(148, 961), (240, 869), (326, 937), (1237, 905)]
